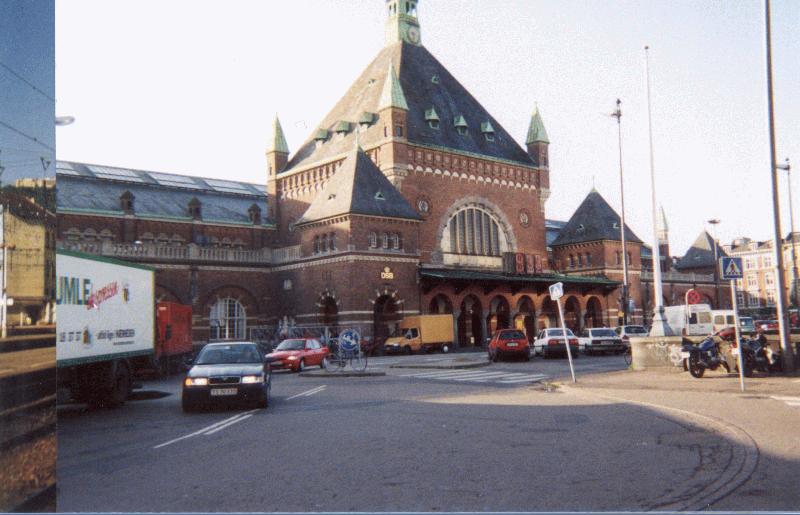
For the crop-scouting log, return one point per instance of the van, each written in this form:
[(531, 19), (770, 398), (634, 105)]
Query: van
[(689, 319), (723, 318), (422, 333)]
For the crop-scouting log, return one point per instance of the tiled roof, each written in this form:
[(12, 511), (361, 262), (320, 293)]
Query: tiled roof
[(416, 68), (700, 254), (536, 130), (594, 220), (358, 187), (97, 189)]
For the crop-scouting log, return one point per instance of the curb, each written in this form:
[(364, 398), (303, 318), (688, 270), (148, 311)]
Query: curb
[(27, 342), (323, 373), (743, 462), (451, 366)]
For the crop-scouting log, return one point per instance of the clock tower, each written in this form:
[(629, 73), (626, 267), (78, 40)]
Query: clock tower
[(402, 24)]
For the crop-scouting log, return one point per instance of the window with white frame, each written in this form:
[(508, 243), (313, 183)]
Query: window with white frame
[(770, 297), (752, 282), (769, 279), (474, 230), (740, 298), (748, 263), (753, 300), (227, 320), (767, 261)]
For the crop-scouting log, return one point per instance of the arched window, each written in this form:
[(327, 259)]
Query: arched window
[(324, 243), (332, 241), (580, 260), (396, 241), (227, 320), (473, 230), (384, 241), (373, 240), (588, 259), (571, 261), (316, 244)]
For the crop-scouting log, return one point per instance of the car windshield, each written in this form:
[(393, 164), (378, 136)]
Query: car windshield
[(228, 354), (292, 345), (511, 335), (635, 329), (603, 332), (558, 332)]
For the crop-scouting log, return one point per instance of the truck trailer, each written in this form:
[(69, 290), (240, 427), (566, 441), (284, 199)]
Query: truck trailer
[(105, 326)]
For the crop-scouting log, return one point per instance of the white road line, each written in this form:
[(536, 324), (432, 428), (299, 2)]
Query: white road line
[(784, 398), (445, 373), (486, 377), (41, 363), (523, 379), (220, 428), (201, 431), (308, 392), (795, 404)]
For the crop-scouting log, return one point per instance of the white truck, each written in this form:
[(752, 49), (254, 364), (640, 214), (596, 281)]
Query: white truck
[(689, 319), (105, 326)]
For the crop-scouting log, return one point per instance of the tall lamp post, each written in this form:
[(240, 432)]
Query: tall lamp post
[(788, 168), (714, 222), (625, 306), (659, 327), (787, 352)]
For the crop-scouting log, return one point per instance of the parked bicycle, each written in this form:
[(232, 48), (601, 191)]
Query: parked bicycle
[(347, 352), (627, 355)]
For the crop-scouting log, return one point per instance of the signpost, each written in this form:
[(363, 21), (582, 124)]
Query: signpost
[(732, 270), (556, 292)]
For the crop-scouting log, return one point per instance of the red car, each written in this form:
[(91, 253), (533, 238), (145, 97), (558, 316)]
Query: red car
[(297, 354), (509, 342)]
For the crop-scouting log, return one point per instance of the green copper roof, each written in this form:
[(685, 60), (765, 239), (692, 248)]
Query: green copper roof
[(278, 142), (459, 121), (486, 127), (321, 134), (536, 131), (342, 126), (392, 94), (430, 114), (366, 117)]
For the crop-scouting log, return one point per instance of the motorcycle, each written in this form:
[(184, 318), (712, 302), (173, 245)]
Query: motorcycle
[(757, 356), (704, 355)]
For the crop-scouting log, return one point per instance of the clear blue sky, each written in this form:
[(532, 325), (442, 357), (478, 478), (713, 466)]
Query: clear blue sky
[(191, 87), (26, 62)]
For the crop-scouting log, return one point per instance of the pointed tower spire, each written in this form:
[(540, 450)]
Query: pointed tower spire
[(661, 225), (402, 24), (536, 131), (392, 94), (277, 141)]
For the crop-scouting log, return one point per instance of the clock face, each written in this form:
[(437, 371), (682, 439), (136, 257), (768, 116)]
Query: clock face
[(413, 34)]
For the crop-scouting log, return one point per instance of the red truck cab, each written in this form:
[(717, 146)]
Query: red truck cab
[(173, 336)]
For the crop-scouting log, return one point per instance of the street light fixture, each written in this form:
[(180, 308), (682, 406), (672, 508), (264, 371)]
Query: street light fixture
[(625, 306), (788, 168)]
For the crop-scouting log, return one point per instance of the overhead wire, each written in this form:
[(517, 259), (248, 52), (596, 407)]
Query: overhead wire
[(14, 129), (26, 81)]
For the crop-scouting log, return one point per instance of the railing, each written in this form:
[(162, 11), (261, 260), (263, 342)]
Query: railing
[(191, 252), (679, 277)]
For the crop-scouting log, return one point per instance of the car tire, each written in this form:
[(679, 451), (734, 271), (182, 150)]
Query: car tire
[(496, 356), (407, 350), (489, 355), (301, 366), (324, 363), (527, 356)]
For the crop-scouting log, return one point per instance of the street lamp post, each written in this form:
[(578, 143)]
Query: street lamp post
[(714, 222), (625, 306), (659, 327), (788, 168), (787, 352)]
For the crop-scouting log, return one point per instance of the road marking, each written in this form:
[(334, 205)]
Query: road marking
[(207, 428), (784, 398), (444, 373), (532, 378), (478, 376), (481, 377), (40, 364), (307, 393), (235, 421)]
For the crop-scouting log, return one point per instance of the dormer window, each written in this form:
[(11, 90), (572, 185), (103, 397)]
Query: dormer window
[(366, 119), (342, 128), (126, 202), (432, 118), (487, 130), (255, 214), (581, 228), (321, 135), (195, 209), (379, 196), (460, 124), (435, 79)]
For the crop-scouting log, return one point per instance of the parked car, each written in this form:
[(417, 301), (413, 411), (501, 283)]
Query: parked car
[(600, 339), (296, 354), (626, 331), (509, 342), (551, 341), (766, 325), (227, 372)]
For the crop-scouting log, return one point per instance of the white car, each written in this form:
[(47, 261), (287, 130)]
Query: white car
[(626, 331), (551, 341), (600, 340)]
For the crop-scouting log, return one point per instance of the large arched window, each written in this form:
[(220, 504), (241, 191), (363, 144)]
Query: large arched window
[(475, 231), (228, 320)]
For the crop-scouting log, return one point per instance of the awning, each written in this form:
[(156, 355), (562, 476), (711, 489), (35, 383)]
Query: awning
[(431, 277)]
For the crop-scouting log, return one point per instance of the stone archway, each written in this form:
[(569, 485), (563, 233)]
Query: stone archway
[(572, 314), (548, 315), (386, 318), (499, 315), (440, 305), (594, 313), (329, 312), (470, 330), (526, 317)]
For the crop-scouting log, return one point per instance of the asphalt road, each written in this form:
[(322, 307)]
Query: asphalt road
[(401, 442)]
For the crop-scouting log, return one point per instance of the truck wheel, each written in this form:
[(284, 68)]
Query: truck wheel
[(445, 348), (407, 350)]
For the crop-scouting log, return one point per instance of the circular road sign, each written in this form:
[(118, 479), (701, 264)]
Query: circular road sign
[(349, 340)]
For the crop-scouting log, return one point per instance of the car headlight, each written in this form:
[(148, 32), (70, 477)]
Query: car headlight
[(292, 358), (196, 381), (252, 379)]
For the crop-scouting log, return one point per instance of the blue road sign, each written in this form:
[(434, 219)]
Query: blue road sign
[(349, 340), (731, 268)]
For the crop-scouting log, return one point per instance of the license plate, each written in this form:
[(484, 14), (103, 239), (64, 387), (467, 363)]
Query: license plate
[(223, 391), (511, 344), (277, 363)]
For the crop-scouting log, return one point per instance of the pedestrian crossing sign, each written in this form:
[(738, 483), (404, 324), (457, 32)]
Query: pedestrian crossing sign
[(731, 268)]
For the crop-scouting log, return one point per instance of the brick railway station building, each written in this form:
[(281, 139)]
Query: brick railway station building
[(408, 197)]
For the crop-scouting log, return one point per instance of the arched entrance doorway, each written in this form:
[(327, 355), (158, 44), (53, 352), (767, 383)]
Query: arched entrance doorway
[(385, 319), (526, 317), (440, 305), (499, 315), (572, 314), (548, 316), (470, 332), (329, 312), (594, 313)]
